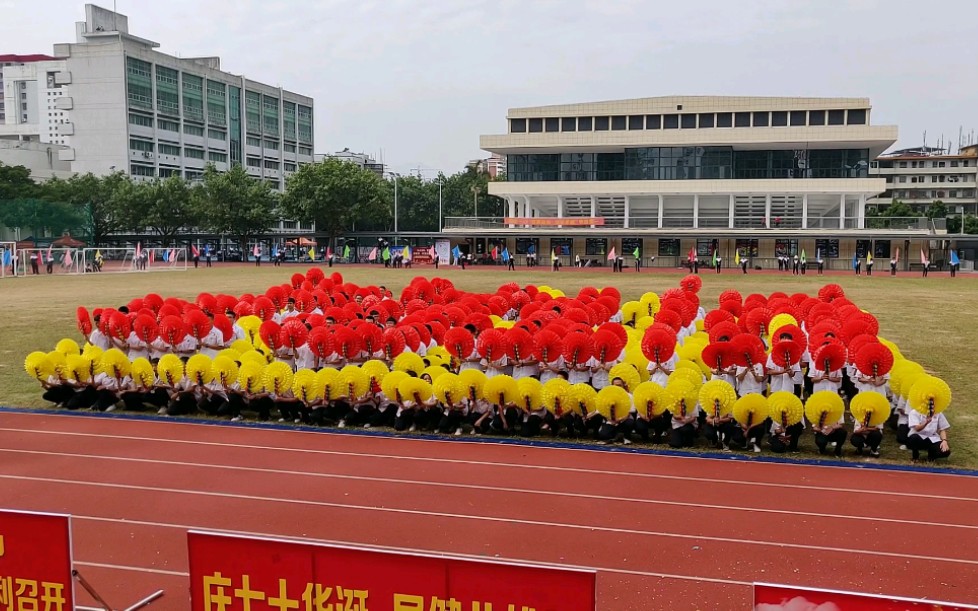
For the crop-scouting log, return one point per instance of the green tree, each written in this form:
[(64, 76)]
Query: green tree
[(16, 182), (898, 209), (417, 204), (234, 203), (164, 207), (336, 194), (936, 210), (96, 200), (37, 216)]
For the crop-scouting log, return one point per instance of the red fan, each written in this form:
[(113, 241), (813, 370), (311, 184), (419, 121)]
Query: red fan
[(459, 342), (412, 339), (393, 342), (293, 333), (757, 320), (669, 317), (607, 346), (242, 309), (490, 344), (734, 307), (519, 344), (225, 304), (167, 309), (786, 353), (691, 283), (304, 301), (104, 316), (831, 292), (791, 332), (855, 344), (748, 350), (315, 275), (372, 338), (716, 316), (84, 322), (270, 333), (754, 300), (136, 304), (153, 302), (830, 357), (874, 359), (222, 324), (264, 308), (498, 305), (481, 322), (723, 331), (437, 331), (658, 345), (146, 328), (578, 349), (172, 330), (198, 324), (119, 326), (296, 280), (346, 343), (610, 291), (719, 355), (547, 345), (731, 295), (320, 341), (615, 328), (277, 295)]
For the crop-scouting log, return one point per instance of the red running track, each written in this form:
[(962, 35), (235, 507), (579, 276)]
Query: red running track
[(663, 532)]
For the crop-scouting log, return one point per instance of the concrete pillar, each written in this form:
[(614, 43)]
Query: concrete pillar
[(842, 211), (767, 211), (511, 203), (861, 212), (594, 207), (696, 210), (627, 211), (730, 212), (560, 207), (804, 211), (660, 211)]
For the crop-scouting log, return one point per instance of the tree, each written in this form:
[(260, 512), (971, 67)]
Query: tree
[(16, 182), (334, 194), (937, 210), (37, 216), (163, 206), (235, 203), (898, 209), (96, 199)]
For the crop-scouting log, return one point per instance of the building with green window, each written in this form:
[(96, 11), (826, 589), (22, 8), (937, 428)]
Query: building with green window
[(133, 108)]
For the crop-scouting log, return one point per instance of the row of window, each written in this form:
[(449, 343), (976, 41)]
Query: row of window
[(932, 179), (688, 163), (671, 247), (930, 194), (952, 163), (703, 120)]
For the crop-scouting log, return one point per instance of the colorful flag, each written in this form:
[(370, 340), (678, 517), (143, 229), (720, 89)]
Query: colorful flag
[(152, 255), (6, 258), (897, 258), (506, 255), (612, 255), (456, 253), (346, 251), (386, 255), (818, 254), (495, 252), (954, 258), (257, 250), (737, 257), (713, 260), (869, 258), (407, 253), (804, 257), (195, 251), (553, 254), (373, 255), (692, 255), (855, 261), (274, 250), (166, 256), (50, 253), (312, 253), (924, 260), (329, 252), (636, 253), (68, 258)]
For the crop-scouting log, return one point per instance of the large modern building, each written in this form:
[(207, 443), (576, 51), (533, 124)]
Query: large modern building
[(362, 160), (30, 98), (119, 104), (921, 176)]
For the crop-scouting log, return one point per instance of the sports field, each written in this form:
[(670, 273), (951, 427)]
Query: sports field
[(928, 318)]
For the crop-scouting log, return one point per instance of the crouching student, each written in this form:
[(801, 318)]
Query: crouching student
[(866, 438), (831, 434), (452, 416), (685, 425), (504, 419), (928, 434), (784, 439)]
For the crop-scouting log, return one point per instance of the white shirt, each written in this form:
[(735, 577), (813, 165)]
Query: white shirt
[(660, 377), (689, 413), (783, 381), (214, 338), (285, 315), (599, 378), (748, 385), (99, 340), (546, 374), (495, 368), (526, 371), (827, 384), (471, 364), (938, 423), (137, 347), (579, 377), (869, 386), (304, 358)]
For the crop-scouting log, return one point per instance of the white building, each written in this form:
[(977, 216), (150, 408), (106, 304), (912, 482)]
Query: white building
[(921, 176), (362, 160)]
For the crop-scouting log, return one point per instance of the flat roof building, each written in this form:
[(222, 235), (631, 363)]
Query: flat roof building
[(919, 177)]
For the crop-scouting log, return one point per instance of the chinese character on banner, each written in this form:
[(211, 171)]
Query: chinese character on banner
[(215, 596)]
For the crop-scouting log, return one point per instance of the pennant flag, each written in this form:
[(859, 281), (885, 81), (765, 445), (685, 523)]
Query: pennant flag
[(855, 261), (373, 255), (346, 251), (312, 253), (50, 253), (818, 255), (329, 252), (897, 259), (166, 256), (69, 260), (274, 250), (737, 258), (553, 254), (954, 258), (6, 258), (256, 251), (804, 257), (152, 255), (636, 253), (692, 255), (407, 253), (386, 255), (195, 251), (505, 255), (495, 252), (713, 260), (611, 255), (869, 258), (456, 253), (98, 254), (923, 258)]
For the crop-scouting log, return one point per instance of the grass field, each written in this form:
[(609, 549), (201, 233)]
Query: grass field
[(926, 317)]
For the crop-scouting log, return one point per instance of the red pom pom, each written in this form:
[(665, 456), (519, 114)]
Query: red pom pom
[(547, 345), (748, 350), (731, 295), (786, 353), (222, 324), (198, 324), (270, 333), (719, 355), (658, 344), (519, 344), (874, 359), (264, 308), (293, 333), (490, 345), (669, 317), (204, 301), (120, 325), (459, 342), (83, 321), (831, 292), (578, 348), (372, 338), (346, 343), (172, 330), (692, 283), (393, 342), (320, 341), (723, 331), (315, 276), (757, 320), (146, 328), (607, 345), (716, 316), (830, 357)]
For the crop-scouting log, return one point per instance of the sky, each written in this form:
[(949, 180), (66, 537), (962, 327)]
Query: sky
[(417, 82)]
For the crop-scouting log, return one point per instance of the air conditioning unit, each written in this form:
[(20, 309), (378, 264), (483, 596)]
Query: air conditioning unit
[(147, 154)]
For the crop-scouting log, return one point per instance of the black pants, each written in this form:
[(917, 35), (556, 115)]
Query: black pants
[(616, 432), (683, 437), (211, 404), (105, 399), (871, 440), (83, 398), (512, 420), (181, 404), (135, 401), (568, 425), (754, 435), (918, 444), (58, 394), (450, 422), (713, 433), (531, 425), (262, 406), (822, 441), (788, 442), (653, 430), (404, 420)]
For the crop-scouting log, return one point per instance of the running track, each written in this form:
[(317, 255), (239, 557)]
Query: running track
[(663, 532)]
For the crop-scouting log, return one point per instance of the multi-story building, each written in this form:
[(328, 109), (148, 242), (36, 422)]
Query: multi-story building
[(494, 165), (362, 160), (918, 177), (30, 99)]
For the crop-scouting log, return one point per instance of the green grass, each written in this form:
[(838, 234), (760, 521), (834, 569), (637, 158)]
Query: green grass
[(927, 318)]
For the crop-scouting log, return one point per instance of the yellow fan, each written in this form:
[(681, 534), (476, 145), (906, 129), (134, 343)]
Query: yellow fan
[(449, 389), (902, 376), (473, 381), (277, 378), (823, 408), (614, 403), (644, 323), (59, 364), (652, 400), (530, 392), (39, 366), (632, 312), (440, 353), (650, 303), (92, 352), (142, 373), (870, 409), (778, 321), (785, 408), (199, 368), (635, 358), (750, 410), (415, 389), (627, 373), (169, 369), (250, 377), (114, 363), (500, 390), (305, 386), (224, 370), (391, 383), (717, 398), (68, 347), (684, 396), (555, 396), (897, 355), (251, 324), (688, 373), (356, 381), (375, 370), (242, 345), (80, 368), (327, 381), (700, 324), (253, 356), (434, 371), (229, 353), (930, 395), (408, 361), (583, 398)]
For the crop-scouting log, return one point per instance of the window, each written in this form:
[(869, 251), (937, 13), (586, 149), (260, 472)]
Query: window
[(761, 119), (584, 124), (671, 121), (552, 124), (536, 125), (142, 170), (271, 164), (193, 175), (797, 118), (145, 146), (139, 83), (902, 179), (941, 164), (816, 117), (193, 130), (779, 118), (742, 119), (167, 91), (271, 145), (668, 248), (254, 162), (636, 122), (168, 172), (140, 120), (903, 164), (517, 126), (168, 126), (193, 152), (305, 150), (601, 124), (169, 149), (253, 112), (290, 148), (837, 117), (706, 119), (857, 117), (252, 141), (653, 121), (289, 167), (618, 123), (568, 124), (216, 134), (688, 121), (724, 119), (216, 103), (217, 157), (270, 116), (954, 164), (596, 246)]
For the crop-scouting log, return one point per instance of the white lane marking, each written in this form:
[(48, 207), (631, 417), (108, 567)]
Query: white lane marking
[(502, 520), (504, 464), (575, 495)]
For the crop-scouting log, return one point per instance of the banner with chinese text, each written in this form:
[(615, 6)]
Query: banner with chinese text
[(770, 597), (35, 561)]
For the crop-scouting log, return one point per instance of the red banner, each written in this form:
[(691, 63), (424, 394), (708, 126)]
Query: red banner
[(35, 561), (577, 221), (422, 254), (770, 597), (229, 573)]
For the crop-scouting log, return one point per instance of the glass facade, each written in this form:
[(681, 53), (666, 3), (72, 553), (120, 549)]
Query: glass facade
[(270, 116), (167, 91), (288, 121), (216, 103), (193, 97), (234, 124), (689, 163), (253, 112), (305, 125), (139, 83)]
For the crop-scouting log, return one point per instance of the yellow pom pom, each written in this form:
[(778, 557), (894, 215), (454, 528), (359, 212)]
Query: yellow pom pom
[(356, 381), (253, 356), (750, 410), (408, 361), (229, 353), (780, 320), (241, 346), (717, 398), (375, 370), (823, 408), (632, 312), (584, 399), (650, 303), (59, 364), (689, 372), (530, 392), (684, 395), (92, 352), (250, 325), (930, 395), (627, 373), (415, 390), (500, 390), (199, 368), (328, 383), (169, 369), (224, 370), (652, 400), (39, 366), (449, 389), (305, 386), (142, 373), (555, 396), (785, 408), (250, 376), (434, 371), (870, 409), (277, 378), (114, 363), (614, 403), (473, 382), (80, 368), (902, 376), (68, 347), (391, 383)]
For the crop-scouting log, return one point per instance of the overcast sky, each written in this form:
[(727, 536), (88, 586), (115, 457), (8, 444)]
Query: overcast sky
[(419, 81)]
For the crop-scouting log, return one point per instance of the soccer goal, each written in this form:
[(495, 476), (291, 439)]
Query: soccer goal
[(8, 259), (109, 260), (50, 261)]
